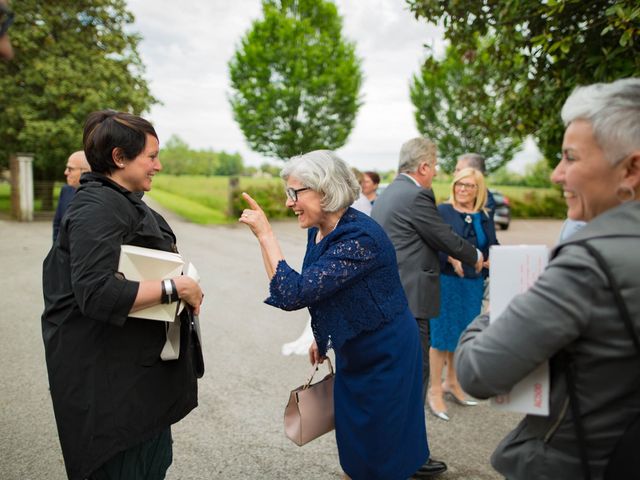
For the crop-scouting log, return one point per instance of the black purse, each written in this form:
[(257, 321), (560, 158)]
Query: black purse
[(624, 461), (195, 347)]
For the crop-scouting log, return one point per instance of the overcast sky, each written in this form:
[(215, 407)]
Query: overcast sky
[(187, 45)]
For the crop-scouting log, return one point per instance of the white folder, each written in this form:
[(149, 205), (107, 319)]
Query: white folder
[(139, 263), (514, 269)]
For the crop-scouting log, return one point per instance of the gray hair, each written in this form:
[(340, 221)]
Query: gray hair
[(613, 109), (326, 173), (474, 160), (413, 153)]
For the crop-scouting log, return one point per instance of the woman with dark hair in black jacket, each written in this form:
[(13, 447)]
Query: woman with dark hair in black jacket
[(114, 398)]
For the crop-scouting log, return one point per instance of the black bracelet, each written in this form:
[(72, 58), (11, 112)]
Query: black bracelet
[(174, 295), (164, 298)]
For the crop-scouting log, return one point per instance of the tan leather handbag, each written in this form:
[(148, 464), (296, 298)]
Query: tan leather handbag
[(309, 412)]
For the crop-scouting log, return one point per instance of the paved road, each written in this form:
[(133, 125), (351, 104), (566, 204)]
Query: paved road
[(236, 432)]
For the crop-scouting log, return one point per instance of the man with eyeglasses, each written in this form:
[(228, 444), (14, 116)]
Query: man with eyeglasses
[(76, 165), (6, 19)]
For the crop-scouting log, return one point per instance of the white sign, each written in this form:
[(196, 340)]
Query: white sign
[(513, 270)]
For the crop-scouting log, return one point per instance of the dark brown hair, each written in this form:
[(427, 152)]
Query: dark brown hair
[(106, 130), (375, 178)]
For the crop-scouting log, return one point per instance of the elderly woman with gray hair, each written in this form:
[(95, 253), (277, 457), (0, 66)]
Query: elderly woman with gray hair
[(350, 284), (583, 313)]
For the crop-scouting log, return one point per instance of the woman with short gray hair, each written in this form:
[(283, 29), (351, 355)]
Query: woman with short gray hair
[(323, 171), (350, 284), (582, 314)]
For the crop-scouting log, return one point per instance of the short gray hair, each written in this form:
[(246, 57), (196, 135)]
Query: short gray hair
[(613, 109), (474, 160), (413, 153), (326, 173)]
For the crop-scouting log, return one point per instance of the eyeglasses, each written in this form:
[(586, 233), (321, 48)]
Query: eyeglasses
[(71, 169), (467, 186), (292, 193), (6, 19)]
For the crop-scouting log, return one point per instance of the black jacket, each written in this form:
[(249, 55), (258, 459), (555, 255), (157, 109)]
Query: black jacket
[(109, 387)]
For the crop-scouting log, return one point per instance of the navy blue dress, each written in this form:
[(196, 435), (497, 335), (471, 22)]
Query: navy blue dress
[(350, 284), (461, 297)]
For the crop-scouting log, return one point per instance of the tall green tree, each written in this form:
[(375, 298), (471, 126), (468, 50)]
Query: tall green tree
[(456, 107), (295, 80), (72, 57), (539, 51)]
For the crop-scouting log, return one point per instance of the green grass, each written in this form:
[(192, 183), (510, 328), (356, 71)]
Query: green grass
[(5, 198), (187, 208), (201, 199)]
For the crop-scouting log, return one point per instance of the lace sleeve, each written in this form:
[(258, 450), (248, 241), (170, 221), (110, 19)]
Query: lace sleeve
[(342, 263)]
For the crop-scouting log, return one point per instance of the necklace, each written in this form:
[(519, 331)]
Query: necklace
[(320, 236)]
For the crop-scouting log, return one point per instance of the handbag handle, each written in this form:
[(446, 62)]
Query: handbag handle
[(314, 369)]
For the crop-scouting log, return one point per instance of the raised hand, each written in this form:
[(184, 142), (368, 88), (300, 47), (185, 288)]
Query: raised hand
[(254, 217)]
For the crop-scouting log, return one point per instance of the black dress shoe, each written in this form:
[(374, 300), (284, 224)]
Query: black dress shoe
[(430, 469)]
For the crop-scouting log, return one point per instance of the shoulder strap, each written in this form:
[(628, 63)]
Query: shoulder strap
[(565, 359), (617, 295)]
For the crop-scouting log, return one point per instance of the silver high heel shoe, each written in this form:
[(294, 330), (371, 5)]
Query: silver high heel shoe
[(442, 415), (463, 402)]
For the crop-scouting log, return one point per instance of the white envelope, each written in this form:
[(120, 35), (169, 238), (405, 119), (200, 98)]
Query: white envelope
[(139, 263), (514, 269)]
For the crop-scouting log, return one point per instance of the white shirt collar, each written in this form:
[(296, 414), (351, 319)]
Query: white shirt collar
[(412, 179)]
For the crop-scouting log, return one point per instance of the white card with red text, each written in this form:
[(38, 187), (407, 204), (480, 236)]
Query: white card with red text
[(513, 270)]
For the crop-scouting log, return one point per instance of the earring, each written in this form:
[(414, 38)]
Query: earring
[(625, 193)]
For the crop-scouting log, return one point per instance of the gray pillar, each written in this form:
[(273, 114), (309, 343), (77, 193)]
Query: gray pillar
[(22, 186)]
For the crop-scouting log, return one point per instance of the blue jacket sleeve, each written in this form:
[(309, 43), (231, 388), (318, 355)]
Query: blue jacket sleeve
[(344, 262)]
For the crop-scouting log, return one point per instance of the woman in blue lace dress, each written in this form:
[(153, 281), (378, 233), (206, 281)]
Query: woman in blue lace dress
[(461, 288), (350, 284)]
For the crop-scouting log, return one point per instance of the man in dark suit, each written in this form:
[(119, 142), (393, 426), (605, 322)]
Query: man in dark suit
[(76, 165), (407, 212)]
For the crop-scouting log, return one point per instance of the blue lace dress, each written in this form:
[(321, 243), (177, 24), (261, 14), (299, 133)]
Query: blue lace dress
[(350, 284), (460, 297)]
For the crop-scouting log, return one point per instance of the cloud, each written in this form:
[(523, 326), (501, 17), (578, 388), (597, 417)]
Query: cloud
[(186, 47)]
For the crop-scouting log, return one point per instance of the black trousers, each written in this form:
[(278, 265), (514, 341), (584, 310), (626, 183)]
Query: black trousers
[(425, 342), (146, 461)]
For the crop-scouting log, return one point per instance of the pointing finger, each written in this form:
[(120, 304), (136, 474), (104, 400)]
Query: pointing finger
[(252, 203)]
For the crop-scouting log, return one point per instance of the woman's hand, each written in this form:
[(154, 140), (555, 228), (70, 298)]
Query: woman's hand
[(486, 264), (457, 266), (189, 290), (255, 218), (314, 354)]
